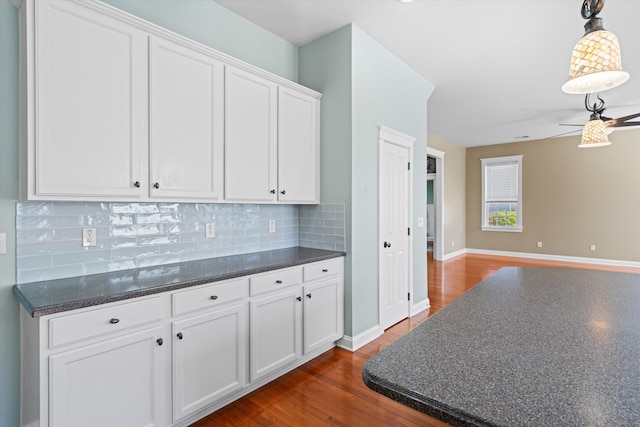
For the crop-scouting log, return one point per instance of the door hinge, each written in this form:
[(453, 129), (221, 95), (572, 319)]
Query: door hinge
[(408, 296), (409, 166), (409, 231)]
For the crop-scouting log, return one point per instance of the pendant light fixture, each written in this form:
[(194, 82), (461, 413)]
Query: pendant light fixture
[(595, 132), (595, 62)]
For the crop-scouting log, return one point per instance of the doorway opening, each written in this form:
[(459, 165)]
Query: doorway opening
[(435, 203)]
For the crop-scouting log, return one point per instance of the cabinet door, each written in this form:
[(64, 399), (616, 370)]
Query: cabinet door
[(275, 332), (186, 122), (323, 313), (209, 358), (90, 105), (298, 147), (250, 137), (113, 383)]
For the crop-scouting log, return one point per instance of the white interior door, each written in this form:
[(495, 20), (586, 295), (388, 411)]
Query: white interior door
[(395, 210)]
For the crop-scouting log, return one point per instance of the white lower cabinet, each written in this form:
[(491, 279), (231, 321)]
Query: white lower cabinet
[(172, 358), (209, 358), (276, 332), (322, 313), (112, 383), (298, 319)]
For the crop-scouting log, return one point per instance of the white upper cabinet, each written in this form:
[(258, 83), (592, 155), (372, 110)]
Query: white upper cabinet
[(271, 142), (114, 108), (250, 137), (186, 102), (298, 147), (88, 124)]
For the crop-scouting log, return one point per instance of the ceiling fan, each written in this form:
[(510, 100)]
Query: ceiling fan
[(595, 131)]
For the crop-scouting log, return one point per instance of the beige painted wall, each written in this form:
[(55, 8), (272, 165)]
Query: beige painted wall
[(572, 198), (454, 192)]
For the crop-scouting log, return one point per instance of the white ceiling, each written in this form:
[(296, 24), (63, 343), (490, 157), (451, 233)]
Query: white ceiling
[(497, 65)]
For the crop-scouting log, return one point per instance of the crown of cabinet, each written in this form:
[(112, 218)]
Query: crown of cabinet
[(105, 116)]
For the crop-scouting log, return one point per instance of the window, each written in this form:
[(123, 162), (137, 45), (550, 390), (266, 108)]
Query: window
[(502, 194)]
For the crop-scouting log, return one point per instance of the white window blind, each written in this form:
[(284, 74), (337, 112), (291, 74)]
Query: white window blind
[(502, 194), (502, 182)]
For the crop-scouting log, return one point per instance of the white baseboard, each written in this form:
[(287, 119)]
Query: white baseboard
[(453, 254), (576, 259), (419, 307), (354, 343), (362, 339)]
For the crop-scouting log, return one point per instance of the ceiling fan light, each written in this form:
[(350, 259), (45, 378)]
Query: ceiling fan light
[(596, 64), (594, 134)]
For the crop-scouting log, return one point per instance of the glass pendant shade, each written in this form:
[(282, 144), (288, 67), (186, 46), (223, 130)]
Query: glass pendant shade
[(595, 64), (594, 134)]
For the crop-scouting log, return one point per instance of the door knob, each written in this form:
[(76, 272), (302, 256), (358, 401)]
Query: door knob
[(387, 245)]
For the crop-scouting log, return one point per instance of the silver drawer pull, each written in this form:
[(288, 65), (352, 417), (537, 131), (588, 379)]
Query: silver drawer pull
[(214, 297), (114, 321)]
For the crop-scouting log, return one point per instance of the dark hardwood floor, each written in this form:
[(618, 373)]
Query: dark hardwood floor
[(328, 391)]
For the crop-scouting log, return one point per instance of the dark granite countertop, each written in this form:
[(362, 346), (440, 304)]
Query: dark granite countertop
[(528, 346), (53, 296)]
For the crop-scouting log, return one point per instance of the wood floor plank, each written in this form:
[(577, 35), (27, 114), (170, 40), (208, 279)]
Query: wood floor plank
[(329, 391)]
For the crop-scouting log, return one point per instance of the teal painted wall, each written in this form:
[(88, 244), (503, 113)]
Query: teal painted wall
[(325, 66), (202, 20), (385, 92), (9, 325), (207, 22), (371, 88)]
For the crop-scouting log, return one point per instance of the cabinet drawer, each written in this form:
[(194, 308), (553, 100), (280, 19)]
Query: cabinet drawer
[(89, 324), (322, 269), (208, 296), (277, 280)]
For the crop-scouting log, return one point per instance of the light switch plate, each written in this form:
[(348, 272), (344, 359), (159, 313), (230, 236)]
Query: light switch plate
[(420, 221)]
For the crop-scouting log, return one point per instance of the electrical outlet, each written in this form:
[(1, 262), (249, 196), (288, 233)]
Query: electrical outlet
[(593, 247), (210, 230), (88, 237), (453, 243), (539, 244), (272, 226)]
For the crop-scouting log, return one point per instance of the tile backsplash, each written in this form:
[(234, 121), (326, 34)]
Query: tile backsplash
[(130, 235)]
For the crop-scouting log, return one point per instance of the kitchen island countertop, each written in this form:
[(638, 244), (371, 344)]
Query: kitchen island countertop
[(528, 346)]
